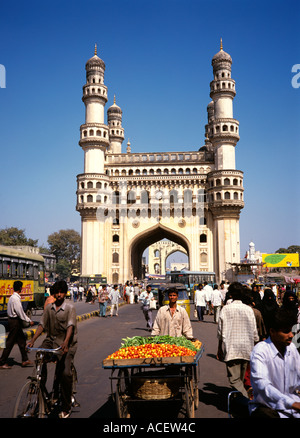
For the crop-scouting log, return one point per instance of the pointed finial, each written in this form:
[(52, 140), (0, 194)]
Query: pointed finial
[(114, 99), (221, 44), (95, 49), (128, 150)]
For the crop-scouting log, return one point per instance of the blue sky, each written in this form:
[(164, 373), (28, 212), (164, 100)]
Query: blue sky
[(158, 64)]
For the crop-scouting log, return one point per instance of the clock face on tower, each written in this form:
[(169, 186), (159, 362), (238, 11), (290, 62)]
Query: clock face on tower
[(159, 195)]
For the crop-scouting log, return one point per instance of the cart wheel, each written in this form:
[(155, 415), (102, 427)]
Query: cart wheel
[(196, 389), (189, 398), (122, 408)]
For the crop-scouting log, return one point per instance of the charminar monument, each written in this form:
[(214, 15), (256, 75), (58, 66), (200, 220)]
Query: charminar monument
[(129, 200)]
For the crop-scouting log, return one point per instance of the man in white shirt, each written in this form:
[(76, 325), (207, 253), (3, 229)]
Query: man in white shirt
[(237, 334), (200, 301), (145, 297), (172, 319), (208, 292), (114, 297), (16, 316), (216, 302), (275, 371)]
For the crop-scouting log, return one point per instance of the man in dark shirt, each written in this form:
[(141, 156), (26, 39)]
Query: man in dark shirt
[(59, 323)]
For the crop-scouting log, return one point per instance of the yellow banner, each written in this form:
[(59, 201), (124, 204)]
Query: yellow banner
[(7, 289), (281, 260)]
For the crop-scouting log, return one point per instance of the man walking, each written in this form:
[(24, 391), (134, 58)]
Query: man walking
[(114, 297), (103, 299), (200, 302), (16, 316), (237, 333)]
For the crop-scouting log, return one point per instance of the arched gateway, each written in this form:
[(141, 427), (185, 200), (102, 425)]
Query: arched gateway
[(128, 201), (159, 252)]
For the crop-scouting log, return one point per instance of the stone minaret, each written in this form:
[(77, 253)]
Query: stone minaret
[(116, 131), (94, 140), (225, 183), (94, 134)]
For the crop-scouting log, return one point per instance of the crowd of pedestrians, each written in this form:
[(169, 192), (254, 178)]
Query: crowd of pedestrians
[(108, 295), (255, 330)]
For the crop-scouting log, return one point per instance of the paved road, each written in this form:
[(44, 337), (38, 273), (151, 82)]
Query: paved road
[(99, 337)]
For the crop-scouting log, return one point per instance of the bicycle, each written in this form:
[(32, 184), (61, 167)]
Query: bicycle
[(34, 400)]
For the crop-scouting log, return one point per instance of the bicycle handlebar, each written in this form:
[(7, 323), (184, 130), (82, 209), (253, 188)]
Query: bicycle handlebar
[(44, 350)]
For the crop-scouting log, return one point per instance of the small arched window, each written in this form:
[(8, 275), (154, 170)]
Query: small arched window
[(131, 197), (144, 197), (115, 257), (203, 238), (203, 257)]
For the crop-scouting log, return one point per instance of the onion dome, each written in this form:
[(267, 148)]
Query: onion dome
[(94, 61), (221, 56), (114, 108)]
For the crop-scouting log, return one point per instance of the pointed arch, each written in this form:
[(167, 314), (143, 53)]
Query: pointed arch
[(146, 238)]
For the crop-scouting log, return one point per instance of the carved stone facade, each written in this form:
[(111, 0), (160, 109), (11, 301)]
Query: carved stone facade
[(128, 201)]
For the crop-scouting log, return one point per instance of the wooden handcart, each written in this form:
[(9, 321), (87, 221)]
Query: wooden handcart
[(155, 379)]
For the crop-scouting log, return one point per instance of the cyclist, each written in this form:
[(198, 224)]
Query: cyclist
[(59, 323)]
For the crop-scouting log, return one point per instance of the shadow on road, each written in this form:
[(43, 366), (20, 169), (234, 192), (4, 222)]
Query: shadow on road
[(213, 395), (108, 410)]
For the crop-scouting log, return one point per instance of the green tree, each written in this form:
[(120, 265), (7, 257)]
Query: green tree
[(14, 236), (63, 269), (292, 249), (65, 245)]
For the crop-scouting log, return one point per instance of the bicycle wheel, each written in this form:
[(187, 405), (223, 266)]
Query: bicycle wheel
[(30, 402)]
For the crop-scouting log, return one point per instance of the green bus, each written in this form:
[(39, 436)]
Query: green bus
[(16, 264)]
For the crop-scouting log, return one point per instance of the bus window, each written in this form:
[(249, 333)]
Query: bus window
[(35, 272), (13, 270), (5, 269), (29, 271), (41, 275)]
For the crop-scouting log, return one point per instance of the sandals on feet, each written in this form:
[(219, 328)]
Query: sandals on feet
[(64, 414)]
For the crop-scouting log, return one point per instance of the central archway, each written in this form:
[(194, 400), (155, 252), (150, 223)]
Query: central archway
[(147, 238)]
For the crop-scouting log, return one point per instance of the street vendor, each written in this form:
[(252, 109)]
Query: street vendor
[(172, 319)]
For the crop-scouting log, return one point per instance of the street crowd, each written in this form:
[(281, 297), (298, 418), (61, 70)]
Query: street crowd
[(108, 294), (257, 330)]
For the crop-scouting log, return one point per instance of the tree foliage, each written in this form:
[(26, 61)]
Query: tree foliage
[(63, 269), (65, 245), (290, 250), (13, 236)]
